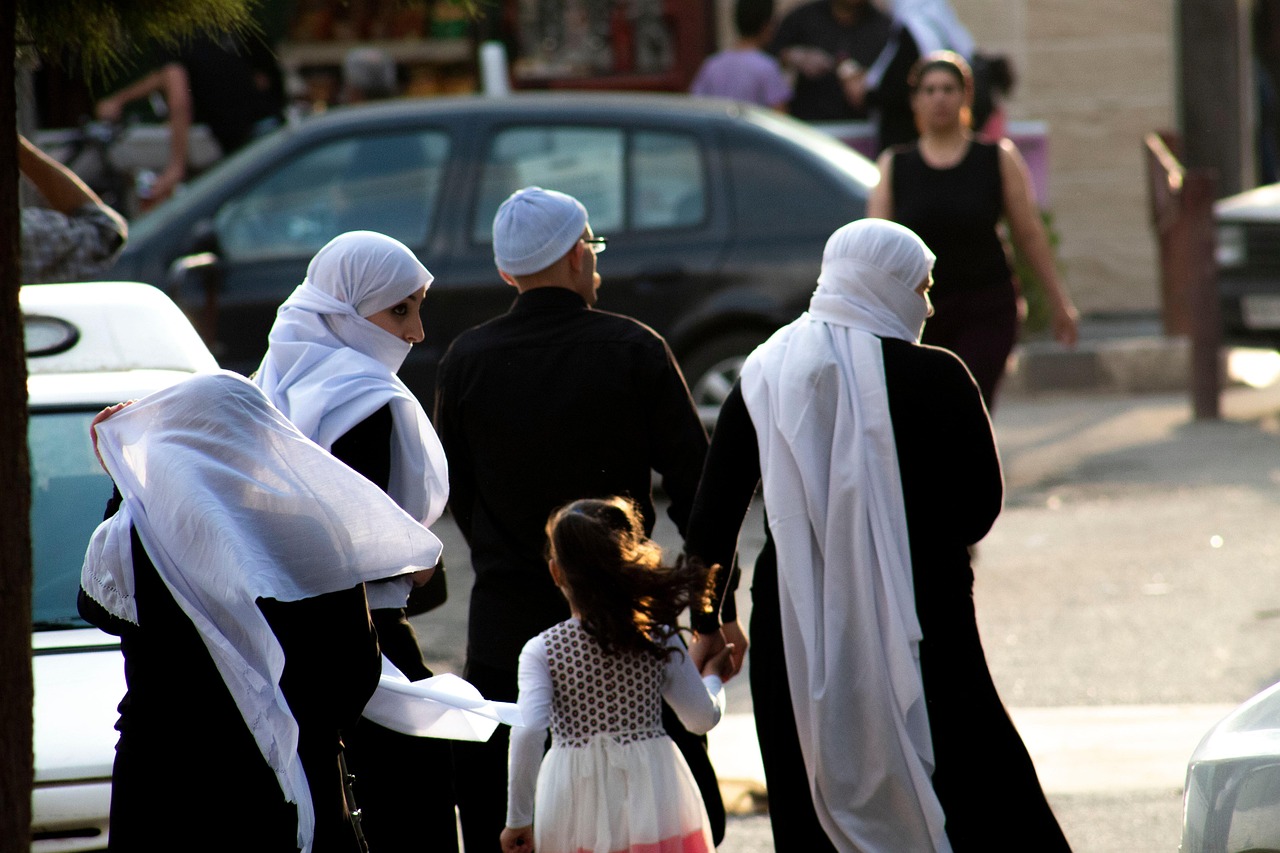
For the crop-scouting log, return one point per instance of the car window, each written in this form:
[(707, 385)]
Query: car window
[(586, 163), (668, 179), (69, 492), (386, 182)]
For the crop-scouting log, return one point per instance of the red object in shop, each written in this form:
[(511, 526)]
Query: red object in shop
[(691, 25)]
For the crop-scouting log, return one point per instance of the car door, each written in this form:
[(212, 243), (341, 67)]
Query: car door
[(389, 180), (648, 186)]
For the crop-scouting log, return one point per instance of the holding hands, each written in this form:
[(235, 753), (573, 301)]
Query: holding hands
[(721, 653)]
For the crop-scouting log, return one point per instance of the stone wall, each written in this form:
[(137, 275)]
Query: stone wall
[(1100, 74)]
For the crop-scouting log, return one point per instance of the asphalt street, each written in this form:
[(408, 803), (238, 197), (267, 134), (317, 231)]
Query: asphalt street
[(1128, 596)]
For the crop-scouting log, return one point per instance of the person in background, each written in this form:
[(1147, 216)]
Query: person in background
[(330, 367), (873, 702), (76, 236), (919, 27), (233, 86), (954, 190), (613, 779), (547, 403), (829, 45), (233, 566), (368, 74), (745, 72)]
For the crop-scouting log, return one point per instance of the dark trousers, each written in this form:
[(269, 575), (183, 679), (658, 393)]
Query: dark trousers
[(404, 790), (480, 769)]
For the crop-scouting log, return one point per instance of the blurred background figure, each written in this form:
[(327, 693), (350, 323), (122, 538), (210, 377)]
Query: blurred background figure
[(745, 72), (829, 45), (368, 74), (233, 86), (954, 190), (75, 234)]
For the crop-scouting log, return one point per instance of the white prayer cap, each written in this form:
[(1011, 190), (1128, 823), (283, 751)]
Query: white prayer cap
[(534, 228)]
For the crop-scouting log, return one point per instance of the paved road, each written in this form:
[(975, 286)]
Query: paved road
[(1128, 596)]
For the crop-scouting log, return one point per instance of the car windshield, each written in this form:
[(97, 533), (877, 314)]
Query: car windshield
[(69, 492)]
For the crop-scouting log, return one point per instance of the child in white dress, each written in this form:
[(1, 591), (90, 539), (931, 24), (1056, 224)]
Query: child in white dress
[(613, 780)]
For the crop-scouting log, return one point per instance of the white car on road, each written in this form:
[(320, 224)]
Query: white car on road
[(88, 346)]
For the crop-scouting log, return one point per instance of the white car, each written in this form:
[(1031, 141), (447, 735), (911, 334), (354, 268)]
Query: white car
[(1232, 798), (88, 346)]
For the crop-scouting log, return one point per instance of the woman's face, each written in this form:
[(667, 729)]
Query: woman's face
[(923, 289), (402, 319), (938, 99)]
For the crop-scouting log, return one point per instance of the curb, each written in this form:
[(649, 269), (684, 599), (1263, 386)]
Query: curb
[(1144, 363)]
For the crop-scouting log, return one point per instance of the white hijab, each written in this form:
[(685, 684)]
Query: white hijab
[(816, 393), (232, 504), (328, 368)]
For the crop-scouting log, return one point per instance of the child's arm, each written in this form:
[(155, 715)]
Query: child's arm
[(698, 700), (524, 756)]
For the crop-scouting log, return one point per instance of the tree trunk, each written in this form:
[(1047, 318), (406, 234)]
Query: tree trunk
[(16, 693)]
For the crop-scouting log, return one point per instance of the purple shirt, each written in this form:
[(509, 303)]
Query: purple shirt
[(744, 75)]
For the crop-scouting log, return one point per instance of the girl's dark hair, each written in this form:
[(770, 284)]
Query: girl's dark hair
[(615, 578)]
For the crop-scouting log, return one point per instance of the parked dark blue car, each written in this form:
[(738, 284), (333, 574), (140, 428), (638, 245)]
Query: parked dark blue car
[(716, 214)]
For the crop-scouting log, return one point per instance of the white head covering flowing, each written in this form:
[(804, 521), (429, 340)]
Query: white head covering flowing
[(328, 368), (934, 26), (232, 504), (816, 393)]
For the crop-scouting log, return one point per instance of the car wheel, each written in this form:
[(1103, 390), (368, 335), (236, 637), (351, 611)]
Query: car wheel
[(712, 369)]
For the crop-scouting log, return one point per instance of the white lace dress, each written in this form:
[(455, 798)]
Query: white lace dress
[(613, 780)]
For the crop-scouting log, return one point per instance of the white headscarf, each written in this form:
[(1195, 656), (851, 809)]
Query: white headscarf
[(328, 368), (233, 504), (817, 397)]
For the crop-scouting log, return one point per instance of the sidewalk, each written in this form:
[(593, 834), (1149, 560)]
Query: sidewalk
[(1117, 353), (1081, 750)]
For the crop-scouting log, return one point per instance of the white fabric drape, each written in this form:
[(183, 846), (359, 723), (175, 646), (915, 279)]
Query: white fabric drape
[(328, 368), (817, 397), (933, 25), (232, 504)]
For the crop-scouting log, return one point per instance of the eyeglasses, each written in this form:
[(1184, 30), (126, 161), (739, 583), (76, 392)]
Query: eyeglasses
[(597, 244)]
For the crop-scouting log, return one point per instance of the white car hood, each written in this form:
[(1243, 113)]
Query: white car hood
[(79, 678), (1257, 205)]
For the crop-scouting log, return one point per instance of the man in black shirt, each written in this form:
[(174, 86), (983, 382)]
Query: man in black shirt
[(551, 402)]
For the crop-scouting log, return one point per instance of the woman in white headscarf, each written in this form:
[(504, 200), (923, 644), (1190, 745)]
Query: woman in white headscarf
[(330, 366), (873, 703), (232, 566)]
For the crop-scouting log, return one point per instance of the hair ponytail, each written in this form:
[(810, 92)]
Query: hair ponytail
[(614, 576)]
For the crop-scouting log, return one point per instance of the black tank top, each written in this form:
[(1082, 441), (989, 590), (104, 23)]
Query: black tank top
[(955, 211)]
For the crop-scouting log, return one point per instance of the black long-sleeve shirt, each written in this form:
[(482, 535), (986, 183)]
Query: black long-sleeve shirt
[(951, 481), (548, 403)]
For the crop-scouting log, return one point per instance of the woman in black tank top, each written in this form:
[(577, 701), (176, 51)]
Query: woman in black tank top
[(953, 190)]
